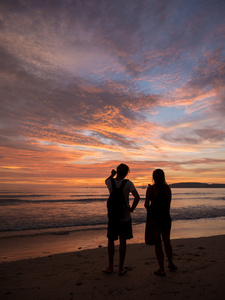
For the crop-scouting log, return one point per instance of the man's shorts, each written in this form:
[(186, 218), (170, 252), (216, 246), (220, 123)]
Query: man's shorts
[(123, 229)]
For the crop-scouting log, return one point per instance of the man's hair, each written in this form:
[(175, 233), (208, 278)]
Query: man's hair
[(123, 170)]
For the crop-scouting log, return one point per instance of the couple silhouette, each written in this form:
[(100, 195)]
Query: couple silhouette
[(158, 222)]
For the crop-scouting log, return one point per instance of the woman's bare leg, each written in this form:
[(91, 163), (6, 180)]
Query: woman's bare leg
[(167, 245), (159, 251)]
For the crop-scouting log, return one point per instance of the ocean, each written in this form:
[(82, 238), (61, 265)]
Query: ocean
[(77, 217)]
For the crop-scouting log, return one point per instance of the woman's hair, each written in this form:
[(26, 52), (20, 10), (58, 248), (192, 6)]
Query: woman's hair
[(159, 177), (123, 170)]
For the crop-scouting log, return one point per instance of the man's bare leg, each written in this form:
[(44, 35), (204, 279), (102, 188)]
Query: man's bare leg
[(122, 250), (111, 251)]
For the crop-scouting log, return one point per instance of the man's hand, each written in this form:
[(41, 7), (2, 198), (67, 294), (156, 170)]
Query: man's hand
[(135, 202), (113, 173), (130, 209)]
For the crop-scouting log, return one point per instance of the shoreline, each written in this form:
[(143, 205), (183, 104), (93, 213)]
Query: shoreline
[(78, 275), (46, 244)]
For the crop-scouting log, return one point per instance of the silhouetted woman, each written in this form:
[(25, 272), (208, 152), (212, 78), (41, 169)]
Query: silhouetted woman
[(157, 202)]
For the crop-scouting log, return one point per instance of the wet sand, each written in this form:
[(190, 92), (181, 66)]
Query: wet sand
[(19, 245), (78, 275)]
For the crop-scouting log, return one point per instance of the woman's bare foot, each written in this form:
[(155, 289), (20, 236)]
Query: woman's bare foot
[(122, 272)]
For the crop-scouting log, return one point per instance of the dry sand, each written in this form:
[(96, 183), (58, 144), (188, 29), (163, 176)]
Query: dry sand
[(78, 275)]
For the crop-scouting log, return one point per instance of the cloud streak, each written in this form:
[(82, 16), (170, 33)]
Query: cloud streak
[(134, 81)]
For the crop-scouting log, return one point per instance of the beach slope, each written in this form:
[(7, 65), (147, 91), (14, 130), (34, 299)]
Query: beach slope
[(78, 275)]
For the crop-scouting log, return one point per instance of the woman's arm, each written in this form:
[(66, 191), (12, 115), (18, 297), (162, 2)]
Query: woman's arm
[(148, 196), (169, 195)]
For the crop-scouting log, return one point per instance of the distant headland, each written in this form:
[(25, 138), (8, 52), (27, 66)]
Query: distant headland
[(196, 185), (193, 185)]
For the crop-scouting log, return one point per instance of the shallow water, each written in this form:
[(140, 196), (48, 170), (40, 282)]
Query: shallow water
[(47, 222), (79, 208)]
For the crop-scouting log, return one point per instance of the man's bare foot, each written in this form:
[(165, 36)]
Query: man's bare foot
[(108, 270), (160, 273)]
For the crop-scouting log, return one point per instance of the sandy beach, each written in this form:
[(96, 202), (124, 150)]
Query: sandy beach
[(78, 275)]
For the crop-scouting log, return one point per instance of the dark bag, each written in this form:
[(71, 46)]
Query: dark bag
[(149, 228), (116, 203)]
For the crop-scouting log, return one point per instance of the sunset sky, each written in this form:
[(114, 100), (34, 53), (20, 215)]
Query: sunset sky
[(88, 84)]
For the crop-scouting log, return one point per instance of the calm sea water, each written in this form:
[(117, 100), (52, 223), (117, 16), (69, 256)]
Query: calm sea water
[(83, 208)]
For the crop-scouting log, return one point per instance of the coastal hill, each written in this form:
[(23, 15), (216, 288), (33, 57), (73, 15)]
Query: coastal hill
[(193, 185), (196, 185)]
